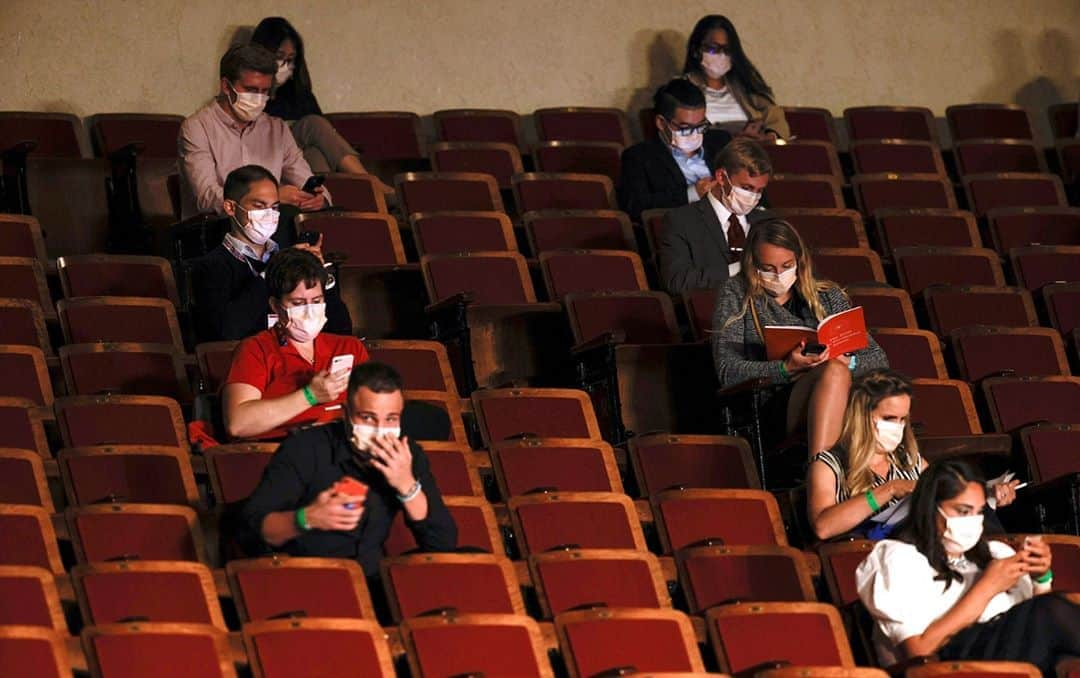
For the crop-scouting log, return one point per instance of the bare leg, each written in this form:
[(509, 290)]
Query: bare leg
[(819, 398)]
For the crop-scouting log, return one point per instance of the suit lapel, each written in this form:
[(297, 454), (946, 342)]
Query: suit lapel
[(664, 156), (712, 223)]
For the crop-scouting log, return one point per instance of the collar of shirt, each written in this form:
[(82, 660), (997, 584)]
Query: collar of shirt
[(245, 249), (232, 123), (693, 167), (723, 213)]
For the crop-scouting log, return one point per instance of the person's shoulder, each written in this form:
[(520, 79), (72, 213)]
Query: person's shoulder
[(199, 117), (734, 286), (895, 553), (689, 213), (302, 441), (642, 150), (341, 343), (830, 458), (259, 344)]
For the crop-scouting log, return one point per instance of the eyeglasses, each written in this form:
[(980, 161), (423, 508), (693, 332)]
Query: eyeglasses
[(687, 131), (714, 48)]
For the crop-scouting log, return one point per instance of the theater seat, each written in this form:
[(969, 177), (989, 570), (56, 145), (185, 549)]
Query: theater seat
[(467, 583), (745, 635), (235, 470), (883, 306), (554, 464), (475, 519), (500, 160), (155, 591), (27, 537), (662, 461), (34, 651), (1021, 351), (915, 353), (595, 642), (564, 191), (974, 669), (363, 238), (699, 517), (951, 307), (721, 575), (1015, 402), (442, 191), (1051, 450), (558, 520), (615, 578), (502, 414), (317, 647), (890, 122), (462, 231), (159, 649), (477, 644), (30, 598), (280, 586), (102, 532), (579, 123), (101, 275), (22, 479), (578, 229), (145, 474)]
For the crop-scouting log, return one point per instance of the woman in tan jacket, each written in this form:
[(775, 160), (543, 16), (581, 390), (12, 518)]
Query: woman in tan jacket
[(737, 98)]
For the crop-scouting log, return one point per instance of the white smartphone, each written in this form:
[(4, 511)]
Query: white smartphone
[(341, 363), (271, 320)]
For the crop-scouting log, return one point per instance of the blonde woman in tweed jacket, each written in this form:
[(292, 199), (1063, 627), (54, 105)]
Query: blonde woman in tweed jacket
[(776, 286)]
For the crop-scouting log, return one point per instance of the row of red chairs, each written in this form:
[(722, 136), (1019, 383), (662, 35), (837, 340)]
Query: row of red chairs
[(398, 135)]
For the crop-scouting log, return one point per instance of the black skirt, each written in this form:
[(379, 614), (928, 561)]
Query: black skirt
[(1040, 631)]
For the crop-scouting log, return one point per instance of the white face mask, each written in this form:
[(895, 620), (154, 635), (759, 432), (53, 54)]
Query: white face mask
[(305, 322), (777, 284), (261, 224), (740, 201), (284, 72), (715, 66), (248, 105), (962, 533), (363, 434), (889, 434), (690, 144)]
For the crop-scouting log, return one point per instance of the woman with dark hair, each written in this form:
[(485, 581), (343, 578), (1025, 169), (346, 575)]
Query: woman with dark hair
[(292, 100), (776, 286), (737, 98), (942, 588)]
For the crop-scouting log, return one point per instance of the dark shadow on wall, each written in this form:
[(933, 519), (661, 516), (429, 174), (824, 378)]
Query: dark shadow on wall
[(663, 53), (1049, 78)]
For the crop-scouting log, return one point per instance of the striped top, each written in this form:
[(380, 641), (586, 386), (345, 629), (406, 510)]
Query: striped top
[(832, 460)]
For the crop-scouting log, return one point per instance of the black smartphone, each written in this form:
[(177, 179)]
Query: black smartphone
[(313, 182), (309, 237), (813, 349)]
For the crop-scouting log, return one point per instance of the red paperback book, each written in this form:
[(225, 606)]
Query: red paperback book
[(843, 332)]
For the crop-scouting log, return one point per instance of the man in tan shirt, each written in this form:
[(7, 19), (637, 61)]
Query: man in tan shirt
[(232, 131)]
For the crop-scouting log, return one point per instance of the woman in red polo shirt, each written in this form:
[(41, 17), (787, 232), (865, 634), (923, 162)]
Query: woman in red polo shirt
[(281, 378)]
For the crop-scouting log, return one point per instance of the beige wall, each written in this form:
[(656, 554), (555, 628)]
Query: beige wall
[(161, 55)]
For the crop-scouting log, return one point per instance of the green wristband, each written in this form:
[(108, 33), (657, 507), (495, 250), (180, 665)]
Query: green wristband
[(310, 397), (1047, 577), (872, 502), (784, 372), (301, 520)]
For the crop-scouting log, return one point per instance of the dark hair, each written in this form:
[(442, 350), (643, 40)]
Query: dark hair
[(742, 153), (270, 33), (678, 93), (239, 181), (290, 267), (742, 73), (379, 377), (241, 58), (942, 481)]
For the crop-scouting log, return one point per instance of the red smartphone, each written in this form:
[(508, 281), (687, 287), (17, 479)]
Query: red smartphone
[(351, 487)]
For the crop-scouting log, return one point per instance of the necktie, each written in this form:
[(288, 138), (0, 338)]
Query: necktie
[(736, 239)]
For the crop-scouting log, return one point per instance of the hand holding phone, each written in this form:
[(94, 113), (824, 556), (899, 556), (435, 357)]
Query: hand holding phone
[(313, 182), (341, 363), (813, 349), (350, 487)]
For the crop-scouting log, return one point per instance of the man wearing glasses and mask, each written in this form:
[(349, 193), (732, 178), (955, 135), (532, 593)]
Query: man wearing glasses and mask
[(672, 169)]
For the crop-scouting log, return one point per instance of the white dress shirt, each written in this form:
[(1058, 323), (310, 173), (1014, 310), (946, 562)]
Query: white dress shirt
[(723, 214)]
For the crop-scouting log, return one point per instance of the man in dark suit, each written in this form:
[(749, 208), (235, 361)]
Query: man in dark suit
[(702, 242), (672, 169)]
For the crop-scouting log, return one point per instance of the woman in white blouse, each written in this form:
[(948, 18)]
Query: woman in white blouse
[(941, 588)]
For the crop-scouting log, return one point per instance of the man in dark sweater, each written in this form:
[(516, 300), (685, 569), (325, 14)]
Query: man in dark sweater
[(228, 289)]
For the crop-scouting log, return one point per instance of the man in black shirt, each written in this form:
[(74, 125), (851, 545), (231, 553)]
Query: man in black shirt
[(230, 296), (299, 506)]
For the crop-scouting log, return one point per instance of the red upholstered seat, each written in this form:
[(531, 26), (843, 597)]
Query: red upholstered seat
[(1012, 189), (160, 649), (317, 647), (1025, 351), (1051, 450), (120, 420), (954, 306), (716, 575), (27, 537), (900, 156), (846, 266), (159, 592), (595, 641), (1036, 267), (214, 359), (1018, 401), (890, 122), (117, 275), (568, 271), (364, 238), (34, 651), (664, 460), (932, 226), (500, 160), (130, 368), (826, 227), (566, 580), (462, 231), (578, 229), (883, 306), (890, 190), (356, 193), (943, 407), (235, 470), (490, 277), (25, 374), (810, 123), (381, 135), (583, 157), (804, 157), (916, 353), (155, 134), (478, 124), (564, 465), (443, 191), (22, 323), (978, 156), (476, 525), (564, 191), (582, 124), (988, 121), (28, 597), (734, 517), (22, 479), (1027, 226), (643, 317), (318, 587), (539, 412), (474, 583), (489, 644), (20, 236), (920, 267), (129, 473), (745, 635), (55, 134), (102, 532), (804, 190), (602, 520), (839, 560)]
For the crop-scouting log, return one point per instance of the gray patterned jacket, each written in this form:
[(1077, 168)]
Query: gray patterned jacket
[(738, 350)]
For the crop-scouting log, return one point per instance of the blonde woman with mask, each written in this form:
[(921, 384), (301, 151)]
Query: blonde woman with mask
[(776, 286), (874, 463)]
